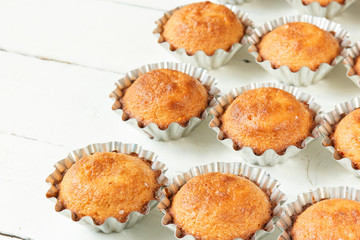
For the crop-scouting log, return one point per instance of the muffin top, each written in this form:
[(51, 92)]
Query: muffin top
[(108, 184), (328, 220), (203, 26), (267, 118), (164, 96), (323, 3), (346, 137), (357, 66), (220, 206), (299, 44)]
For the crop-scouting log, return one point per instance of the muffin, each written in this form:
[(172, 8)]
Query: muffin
[(323, 3), (267, 118), (108, 184), (328, 219), (164, 96), (203, 26), (357, 66), (346, 137), (298, 44), (220, 206)]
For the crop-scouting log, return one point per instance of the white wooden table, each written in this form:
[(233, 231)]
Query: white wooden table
[(58, 63)]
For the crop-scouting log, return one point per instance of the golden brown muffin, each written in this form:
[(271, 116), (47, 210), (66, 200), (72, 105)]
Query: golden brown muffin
[(220, 206), (347, 137), (203, 26), (357, 66), (323, 3), (299, 44), (108, 184), (332, 219), (267, 118), (164, 96)]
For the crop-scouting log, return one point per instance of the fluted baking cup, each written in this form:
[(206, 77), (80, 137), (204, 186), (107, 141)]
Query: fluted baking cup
[(235, 2), (333, 9), (352, 54), (293, 209), (327, 128), (269, 157), (305, 76), (174, 131), (257, 175), (200, 58), (111, 224)]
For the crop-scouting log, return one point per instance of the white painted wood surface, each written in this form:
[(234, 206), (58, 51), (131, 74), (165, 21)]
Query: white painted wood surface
[(49, 107)]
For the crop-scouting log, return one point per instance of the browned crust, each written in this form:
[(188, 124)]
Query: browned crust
[(184, 233), (237, 146), (59, 206), (185, 123)]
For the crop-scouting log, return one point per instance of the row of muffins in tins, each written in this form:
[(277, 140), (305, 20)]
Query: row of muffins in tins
[(298, 50), (111, 186), (320, 8), (265, 123)]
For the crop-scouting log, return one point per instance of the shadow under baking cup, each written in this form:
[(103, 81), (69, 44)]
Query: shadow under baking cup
[(269, 157), (305, 76), (289, 211), (331, 10), (257, 175), (200, 58), (111, 224), (327, 127), (175, 131), (352, 54)]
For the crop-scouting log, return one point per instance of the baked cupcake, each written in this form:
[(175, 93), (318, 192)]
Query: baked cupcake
[(340, 129), (352, 63), (321, 8), (299, 50), (165, 100), (204, 34), (263, 121), (323, 3), (235, 2), (267, 118), (328, 219), (203, 26), (225, 199), (164, 96), (326, 213), (357, 66), (346, 137), (107, 186), (297, 45)]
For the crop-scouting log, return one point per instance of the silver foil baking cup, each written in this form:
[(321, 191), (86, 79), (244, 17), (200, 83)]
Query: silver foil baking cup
[(111, 224), (174, 131), (234, 2), (352, 54), (315, 9), (257, 175), (269, 157), (305, 76), (200, 58), (327, 127), (295, 208)]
